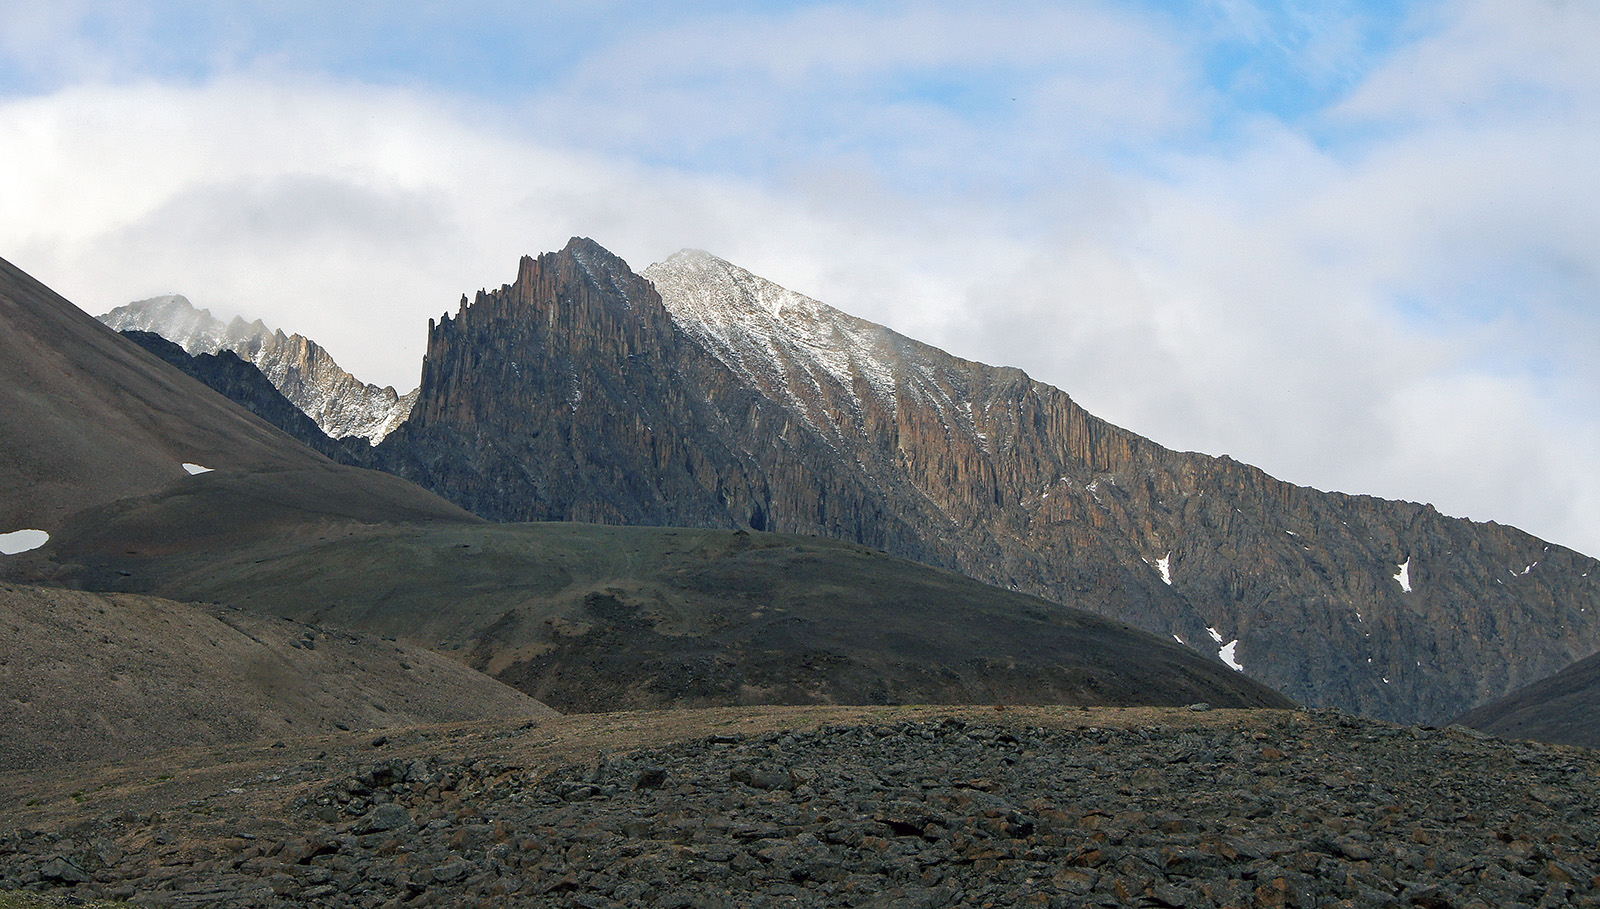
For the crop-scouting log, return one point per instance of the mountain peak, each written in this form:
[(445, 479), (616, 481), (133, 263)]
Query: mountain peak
[(341, 404), (769, 334), (691, 256)]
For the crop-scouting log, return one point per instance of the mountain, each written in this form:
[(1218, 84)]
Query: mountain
[(244, 384), (87, 417), (698, 394), (342, 405), (88, 676), (1563, 709), (597, 618)]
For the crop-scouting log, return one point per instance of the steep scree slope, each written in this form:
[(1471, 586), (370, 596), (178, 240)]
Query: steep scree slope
[(244, 384)]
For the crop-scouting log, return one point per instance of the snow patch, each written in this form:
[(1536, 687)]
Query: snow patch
[(22, 540), (1227, 650), (1164, 565), (195, 469), (782, 342), (1227, 654), (1404, 575)]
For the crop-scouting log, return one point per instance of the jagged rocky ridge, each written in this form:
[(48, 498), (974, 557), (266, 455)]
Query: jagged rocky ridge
[(342, 405), (701, 395), (247, 386)]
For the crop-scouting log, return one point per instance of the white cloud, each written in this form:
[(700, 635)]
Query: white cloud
[(327, 208), (1401, 312)]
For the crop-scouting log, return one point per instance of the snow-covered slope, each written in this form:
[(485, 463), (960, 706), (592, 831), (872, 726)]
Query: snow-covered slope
[(339, 403), (804, 353), (766, 332)]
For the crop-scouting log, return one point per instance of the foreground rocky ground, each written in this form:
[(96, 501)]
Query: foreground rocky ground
[(832, 807)]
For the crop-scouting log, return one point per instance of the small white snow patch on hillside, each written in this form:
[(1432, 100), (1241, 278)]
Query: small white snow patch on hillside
[(1164, 565), (1180, 640), (195, 468), (22, 540), (1227, 654), (1227, 650), (1404, 575)]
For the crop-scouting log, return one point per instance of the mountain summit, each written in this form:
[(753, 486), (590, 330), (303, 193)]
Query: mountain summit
[(698, 394)]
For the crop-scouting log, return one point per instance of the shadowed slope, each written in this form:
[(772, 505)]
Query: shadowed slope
[(589, 617), (1563, 709)]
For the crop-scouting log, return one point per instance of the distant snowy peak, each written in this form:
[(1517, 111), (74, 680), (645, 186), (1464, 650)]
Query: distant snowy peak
[(341, 404), (176, 319)]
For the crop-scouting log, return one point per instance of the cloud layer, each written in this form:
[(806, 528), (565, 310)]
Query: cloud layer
[(1351, 246)]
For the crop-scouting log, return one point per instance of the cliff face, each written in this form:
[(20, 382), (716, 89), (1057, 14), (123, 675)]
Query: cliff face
[(571, 396), (706, 396)]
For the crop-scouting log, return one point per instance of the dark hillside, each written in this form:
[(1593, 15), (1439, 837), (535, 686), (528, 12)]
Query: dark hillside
[(1563, 709), (590, 617)]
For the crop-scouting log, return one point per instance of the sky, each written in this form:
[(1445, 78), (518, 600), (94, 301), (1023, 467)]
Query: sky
[(1352, 243)]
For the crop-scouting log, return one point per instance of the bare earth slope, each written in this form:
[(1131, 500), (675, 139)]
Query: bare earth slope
[(85, 677), (88, 417)]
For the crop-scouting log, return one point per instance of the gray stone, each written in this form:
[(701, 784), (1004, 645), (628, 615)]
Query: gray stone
[(389, 816)]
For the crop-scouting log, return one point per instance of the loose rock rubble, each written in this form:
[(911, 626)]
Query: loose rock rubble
[(1309, 810)]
